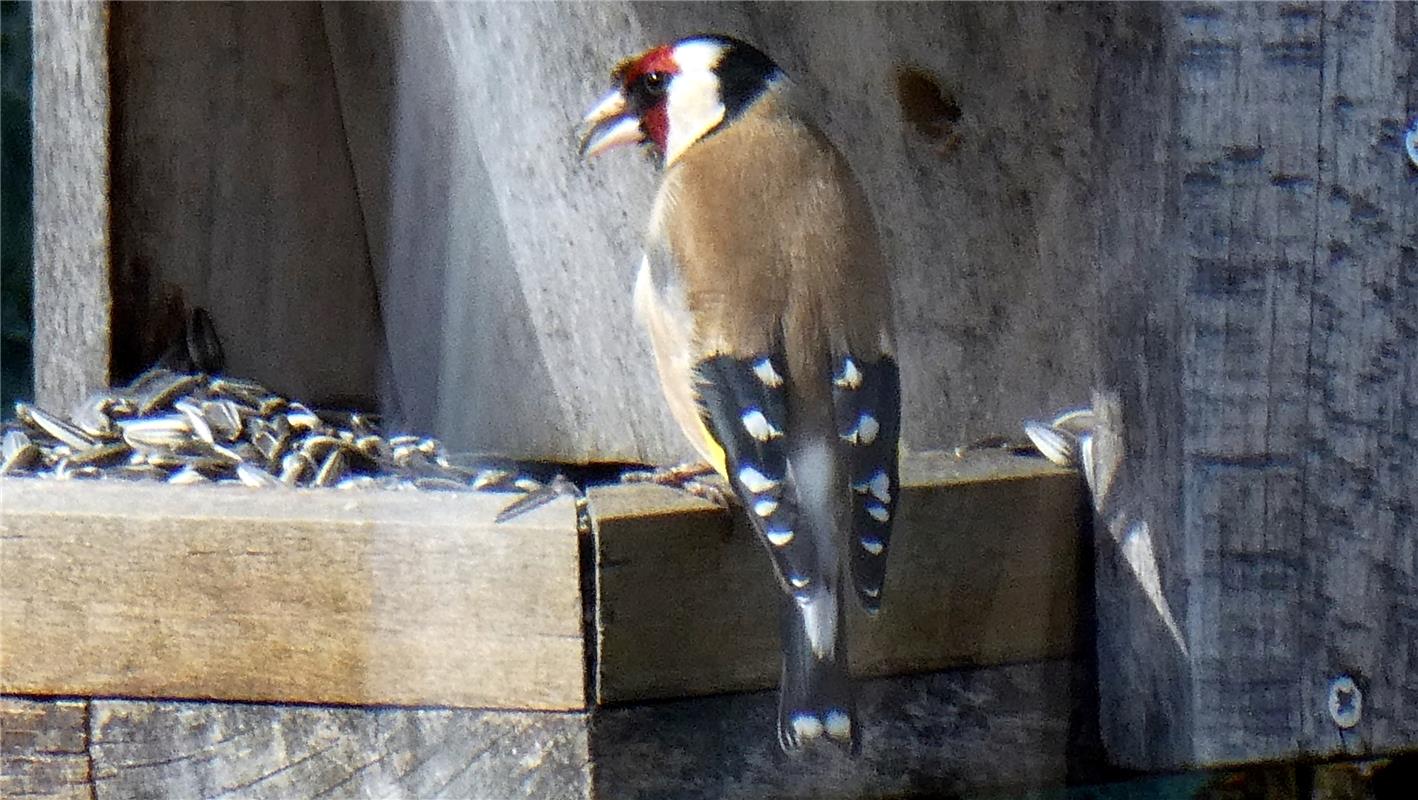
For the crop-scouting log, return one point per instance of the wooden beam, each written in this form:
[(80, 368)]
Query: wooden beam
[(72, 297), (1257, 459), (322, 596), (44, 749), (983, 570), (302, 595), (942, 734), (947, 734), (270, 752)]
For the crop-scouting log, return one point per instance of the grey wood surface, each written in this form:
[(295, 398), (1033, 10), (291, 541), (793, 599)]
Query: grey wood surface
[(44, 749), (984, 570), (1011, 727), (233, 191), (1259, 380), (505, 266), (201, 750), (71, 210), (225, 592)]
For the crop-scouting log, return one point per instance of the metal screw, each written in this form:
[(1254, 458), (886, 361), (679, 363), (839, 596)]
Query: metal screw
[(1346, 702)]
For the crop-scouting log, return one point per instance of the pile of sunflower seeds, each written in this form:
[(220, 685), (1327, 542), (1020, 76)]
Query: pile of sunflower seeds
[(187, 428)]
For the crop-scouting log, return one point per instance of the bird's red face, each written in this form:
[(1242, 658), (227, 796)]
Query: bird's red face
[(637, 110), (671, 96)]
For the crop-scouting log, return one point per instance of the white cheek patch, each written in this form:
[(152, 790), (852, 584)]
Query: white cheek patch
[(693, 106), (693, 110)]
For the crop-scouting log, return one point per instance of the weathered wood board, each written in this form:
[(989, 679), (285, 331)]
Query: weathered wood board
[(72, 298), (974, 730), (1259, 383), (1010, 727), (44, 749), (233, 191), (418, 599), (984, 566), (303, 595)]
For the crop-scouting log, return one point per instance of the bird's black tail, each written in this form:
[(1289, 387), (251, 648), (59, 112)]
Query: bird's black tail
[(815, 698)]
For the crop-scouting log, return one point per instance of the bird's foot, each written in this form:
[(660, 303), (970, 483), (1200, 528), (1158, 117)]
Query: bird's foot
[(695, 477)]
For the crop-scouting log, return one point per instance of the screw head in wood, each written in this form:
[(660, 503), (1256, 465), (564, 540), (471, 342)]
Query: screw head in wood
[(1346, 702)]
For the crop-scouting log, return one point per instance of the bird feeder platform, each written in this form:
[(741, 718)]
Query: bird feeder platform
[(409, 626)]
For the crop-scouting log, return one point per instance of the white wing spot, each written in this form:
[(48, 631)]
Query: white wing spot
[(878, 512), (799, 581), (873, 546), (878, 486), (838, 724), (756, 481), (872, 592), (758, 426), (779, 538), (767, 375), (807, 726), (765, 507), (851, 377), (865, 431)]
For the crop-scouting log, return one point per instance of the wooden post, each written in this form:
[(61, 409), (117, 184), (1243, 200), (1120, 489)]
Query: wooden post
[(1257, 382), (71, 214)]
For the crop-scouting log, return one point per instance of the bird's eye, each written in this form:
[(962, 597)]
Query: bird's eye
[(655, 83)]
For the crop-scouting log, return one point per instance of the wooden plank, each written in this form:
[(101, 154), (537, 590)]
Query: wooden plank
[(209, 750), (522, 258), (961, 733), (71, 215), (1009, 729), (44, 749), (302, 595), (983, 571), (1006, 727), (233, 191), (1257, 382)]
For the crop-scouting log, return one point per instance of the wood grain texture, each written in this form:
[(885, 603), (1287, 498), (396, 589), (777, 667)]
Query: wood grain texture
[(307, 595), (1011, 727), (983, 570), (936, 735), (209, 750), (1258, 383), (44, 749), (71, 213), (483, 225), (233, 191)]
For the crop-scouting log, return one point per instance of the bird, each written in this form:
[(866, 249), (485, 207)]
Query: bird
[(768, 304)]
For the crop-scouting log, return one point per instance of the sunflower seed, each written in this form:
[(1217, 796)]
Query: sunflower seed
[(19, 451), (160, 394), (302, 418), (196, 419), (92, 416), (171, 431), (187, 476), (256, 477), (294, 466), (1057, 445), (101, 455), (224, 419), (332, 470), (54, 426)]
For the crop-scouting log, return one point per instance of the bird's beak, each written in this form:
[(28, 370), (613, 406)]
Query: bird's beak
[(609, 125)]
